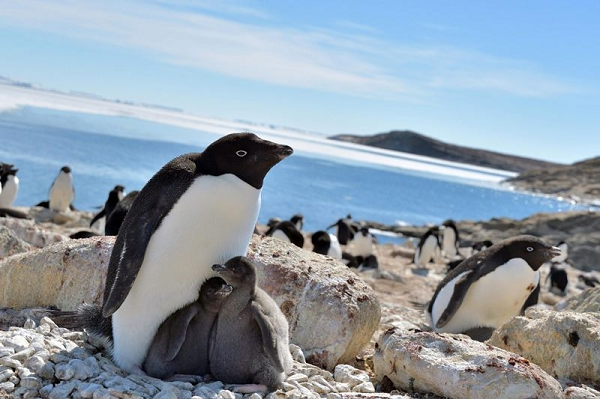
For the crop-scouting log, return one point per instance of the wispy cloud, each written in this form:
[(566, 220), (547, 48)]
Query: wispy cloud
[(345, 60)]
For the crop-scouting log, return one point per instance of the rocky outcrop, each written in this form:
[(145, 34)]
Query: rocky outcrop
[(32, 233), (564, 344), (587, 301), (415, 143), (314, 290), (581, 179), (10, 244), (64, 275), (455, 366)]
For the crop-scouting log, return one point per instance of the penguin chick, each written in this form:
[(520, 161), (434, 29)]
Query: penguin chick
[(249, 342)]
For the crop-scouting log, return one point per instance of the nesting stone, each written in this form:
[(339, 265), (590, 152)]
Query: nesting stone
[(24, 354), (64, 371), (6, 351), (47, 371), (29, 324), (87, 389), (10, 362), (34, 363), (7, 386), (17, 342), (350, 375), (31, 381), (63, 390)]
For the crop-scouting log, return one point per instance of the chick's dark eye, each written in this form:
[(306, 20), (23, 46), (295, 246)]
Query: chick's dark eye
[(241, 153), (529, 249)]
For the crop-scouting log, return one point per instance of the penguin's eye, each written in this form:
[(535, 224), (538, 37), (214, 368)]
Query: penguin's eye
[(241, 153), (529, 249)]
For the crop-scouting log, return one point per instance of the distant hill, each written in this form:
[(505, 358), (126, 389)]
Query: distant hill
[(415, 143), (581, 179)]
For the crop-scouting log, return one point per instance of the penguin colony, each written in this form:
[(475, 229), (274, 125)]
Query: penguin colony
[(209, 316)]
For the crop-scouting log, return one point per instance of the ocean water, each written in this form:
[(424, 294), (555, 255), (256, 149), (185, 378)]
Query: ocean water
[(103, 151)]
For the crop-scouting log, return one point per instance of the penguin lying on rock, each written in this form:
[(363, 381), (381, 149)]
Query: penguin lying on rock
[(489, 288)]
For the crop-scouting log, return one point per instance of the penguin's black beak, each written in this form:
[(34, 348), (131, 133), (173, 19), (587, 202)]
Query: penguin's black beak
[(219, 268), (552, 252), (285, 151)]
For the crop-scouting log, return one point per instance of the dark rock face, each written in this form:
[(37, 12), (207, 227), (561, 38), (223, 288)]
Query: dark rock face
[(415, 143), (581, 179)]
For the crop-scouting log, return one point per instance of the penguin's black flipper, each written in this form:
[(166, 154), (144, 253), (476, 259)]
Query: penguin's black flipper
[(268, 324), (178, 330), (460, 290), (98, 216), (146, 213)]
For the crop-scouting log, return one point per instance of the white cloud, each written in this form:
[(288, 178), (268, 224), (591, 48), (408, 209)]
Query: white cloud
[(324, 59)]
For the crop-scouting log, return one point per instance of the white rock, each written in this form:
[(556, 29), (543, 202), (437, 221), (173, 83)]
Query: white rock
[(63, 390), (87, 389), (64, 371), (455, 366), (8, 387), (225, 394), (297, 353), (31, 381), (366, 387), (35, 363), (6, 351), (17, 342), (350, 375)]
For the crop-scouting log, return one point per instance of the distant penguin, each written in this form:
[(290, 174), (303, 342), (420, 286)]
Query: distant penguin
[(198, 210), (564, 253), (481, 245), (589, 280), (298, 221), (558, 278), (427, 248), (9, 185), (490, 287), (343, 230), (180, 347), (450, 239), (62, 192), (362, 244), (114, 196), (115, 219), (249, 342), (83, 234), (326, 244), (287, 231)]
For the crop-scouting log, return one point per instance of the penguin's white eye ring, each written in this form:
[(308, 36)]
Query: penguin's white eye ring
[(529, 249), (241, 153)]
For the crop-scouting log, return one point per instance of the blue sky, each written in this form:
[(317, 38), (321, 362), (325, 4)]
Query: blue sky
[(518, 77)]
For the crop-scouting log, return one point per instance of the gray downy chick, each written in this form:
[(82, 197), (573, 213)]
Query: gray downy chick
[(179, 351), (249, 341)]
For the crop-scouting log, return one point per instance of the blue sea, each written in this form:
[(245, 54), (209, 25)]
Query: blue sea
[(103, 151)]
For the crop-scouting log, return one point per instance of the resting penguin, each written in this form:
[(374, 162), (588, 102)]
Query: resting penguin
[(249, 342), (326, 244), (298, 220), (9, 185), (287, 231), (198, 210), (62, 192), (429, 244), (179, 351), (114, 196), (489, 288), (450, 239)]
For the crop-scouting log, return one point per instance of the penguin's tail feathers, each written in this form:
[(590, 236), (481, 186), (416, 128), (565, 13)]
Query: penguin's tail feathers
[(87, 316)]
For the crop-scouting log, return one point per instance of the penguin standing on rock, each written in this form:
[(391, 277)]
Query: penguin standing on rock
[(450, 239), (198, 210), (249, 342), (288, 230), (489, 288), (62, 192), (9, 185), (343, 230)]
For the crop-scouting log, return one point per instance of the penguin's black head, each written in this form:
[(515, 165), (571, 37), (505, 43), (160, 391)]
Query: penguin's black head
[(533, 250), (364, 231), (321, 242), (65, 169), (237, 271), (119, 188), (244, 155)]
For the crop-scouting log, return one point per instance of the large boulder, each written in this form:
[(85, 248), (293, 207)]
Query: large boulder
[(565, 344), (10, 244), (455, 366), (64, 275), (332, 313)]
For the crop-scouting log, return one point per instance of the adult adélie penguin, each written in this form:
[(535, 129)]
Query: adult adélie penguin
[(198, 210), (490, 287)]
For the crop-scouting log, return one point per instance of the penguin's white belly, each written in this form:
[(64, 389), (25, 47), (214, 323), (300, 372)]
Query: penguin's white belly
[(449, 243), (9, 192), (490, 301), (335, 251), (427, 251), (61, 193), (280, 235), (212, 222), (363, 246)]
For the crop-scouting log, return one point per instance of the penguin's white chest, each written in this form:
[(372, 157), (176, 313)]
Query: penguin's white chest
[(335, 251), (427, 251), (363, 245), (281, 235), (212, 222), (449, 242), (61, 192), (9, 191), (490, 301)]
